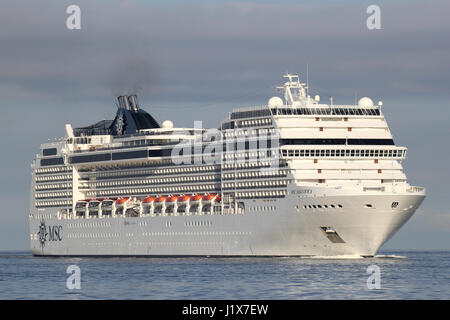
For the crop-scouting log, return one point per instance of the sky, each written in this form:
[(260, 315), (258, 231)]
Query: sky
[(197, 60)]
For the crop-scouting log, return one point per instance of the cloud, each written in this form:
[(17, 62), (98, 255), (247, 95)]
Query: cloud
[(216, 52), (198, 60)]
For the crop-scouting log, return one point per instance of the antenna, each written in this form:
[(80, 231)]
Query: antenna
[(307, 79)]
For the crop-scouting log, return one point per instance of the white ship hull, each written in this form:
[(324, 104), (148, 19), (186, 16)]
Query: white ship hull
[(288, 231), (290, 178)]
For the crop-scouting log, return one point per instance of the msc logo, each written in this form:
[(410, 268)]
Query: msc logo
[(49, 233), (394, 204)]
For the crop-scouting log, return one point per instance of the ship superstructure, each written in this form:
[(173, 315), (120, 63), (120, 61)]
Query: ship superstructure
[(293, 177)]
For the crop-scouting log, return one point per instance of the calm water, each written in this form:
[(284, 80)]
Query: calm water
[(404, 275)]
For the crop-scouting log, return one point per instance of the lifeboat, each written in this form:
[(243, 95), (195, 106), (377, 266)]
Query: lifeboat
[(160, 205), (196, 199), (81, 204), (94, 204), (209, 198), (107, 202), (171, 205), (183, 204), (121, 200), (146, 205), (120, 204), (80, 207), (149, 199), (172, 199), (160, 199), (183, 198), (106, 206)]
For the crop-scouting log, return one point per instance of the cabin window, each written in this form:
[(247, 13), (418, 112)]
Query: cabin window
[(49, 152)]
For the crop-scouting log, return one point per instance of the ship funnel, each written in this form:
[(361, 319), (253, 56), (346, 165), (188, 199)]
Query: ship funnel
[(133, 102), (123, 102)]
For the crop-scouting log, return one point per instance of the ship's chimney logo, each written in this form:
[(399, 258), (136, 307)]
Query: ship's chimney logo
[(120, 124)]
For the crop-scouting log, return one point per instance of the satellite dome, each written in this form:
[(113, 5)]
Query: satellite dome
[(275, 102), (167, 124), (365, 103)]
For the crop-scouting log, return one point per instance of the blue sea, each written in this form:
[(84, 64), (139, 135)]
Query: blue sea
[(400, 275)]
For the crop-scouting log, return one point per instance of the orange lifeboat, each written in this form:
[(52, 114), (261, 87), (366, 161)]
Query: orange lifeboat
[(160, 199), (121, 200), (209, 198), (149, 199), (196, 199), (183, 198), (172, 199)]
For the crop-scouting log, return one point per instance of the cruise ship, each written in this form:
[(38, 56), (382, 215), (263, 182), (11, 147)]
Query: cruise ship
[(295, 177)]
